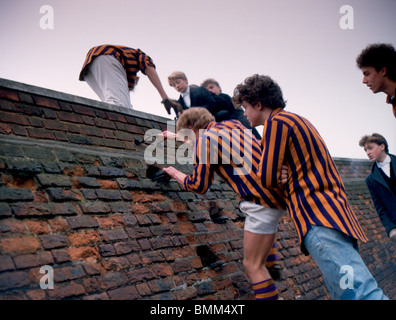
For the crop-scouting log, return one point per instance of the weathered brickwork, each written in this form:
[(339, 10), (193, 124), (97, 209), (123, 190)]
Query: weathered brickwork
[(74, 196)]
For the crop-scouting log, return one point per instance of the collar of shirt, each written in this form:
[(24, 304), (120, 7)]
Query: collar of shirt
[(186, 93), (385, 165)]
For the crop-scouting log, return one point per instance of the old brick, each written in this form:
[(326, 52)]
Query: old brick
[(134, 129), (113, 235), (31, 209), (126, 247), (153, 256), (92, 131), (137, 233), (84, 253), (112, 280), (107, 250), (82, 222), (12, 280), (115, 263), (20, 244), (68, 273), (96, 207), (53, 180), (37, 227), (46, 102), (5, 210), (159, 285), (87, 182), (130, 220), (58, 225), (102, 123), (121, 207), (33, 260), (14, 118), (125, 293), (181, 266), (112, 195), (6, 263), (63, 209), (61, 255), (83, 237), (69, 290), (60, 195), (107, 172), (40, 133), (52, 241), (83, 110), (12, 226), (77, 139), (69, 117), (8, 94), (50, 167), (24, 165), (141, 274), (162, 270), (162, 242), (19, 130), (129, 184)]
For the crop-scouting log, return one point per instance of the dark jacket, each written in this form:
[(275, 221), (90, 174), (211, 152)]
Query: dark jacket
[(383, 197), (201, 97), (220, 106)]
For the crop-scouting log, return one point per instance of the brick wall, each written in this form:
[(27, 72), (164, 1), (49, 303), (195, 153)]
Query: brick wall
[(74, 196)]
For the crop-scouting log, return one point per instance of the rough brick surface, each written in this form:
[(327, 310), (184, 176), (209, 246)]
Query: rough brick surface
[(74, 196)]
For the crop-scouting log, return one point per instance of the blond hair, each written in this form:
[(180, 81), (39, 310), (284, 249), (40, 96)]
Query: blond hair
[(195, 118), (176, 75)]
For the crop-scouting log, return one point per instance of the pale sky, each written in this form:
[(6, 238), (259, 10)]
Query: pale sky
[(299, 43)]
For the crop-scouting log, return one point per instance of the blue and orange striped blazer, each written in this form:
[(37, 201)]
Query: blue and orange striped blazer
[(315, 193), (229, 149), (133, 60)]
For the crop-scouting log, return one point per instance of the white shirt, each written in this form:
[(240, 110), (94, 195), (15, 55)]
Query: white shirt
[(385, 165), (186, 97)]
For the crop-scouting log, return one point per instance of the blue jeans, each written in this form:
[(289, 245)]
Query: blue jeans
[(345, 274)]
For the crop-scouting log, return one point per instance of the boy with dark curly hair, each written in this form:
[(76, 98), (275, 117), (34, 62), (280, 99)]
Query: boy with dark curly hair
[(378, 64)]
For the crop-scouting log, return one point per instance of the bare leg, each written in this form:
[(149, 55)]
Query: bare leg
[(256, 250)]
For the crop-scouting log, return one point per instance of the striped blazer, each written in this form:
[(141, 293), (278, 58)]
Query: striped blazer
[(133, 60), (229, 149), (315, 193)]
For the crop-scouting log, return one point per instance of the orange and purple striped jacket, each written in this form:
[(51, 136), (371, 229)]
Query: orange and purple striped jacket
[(230, 150), (133, 60), (314, 193)]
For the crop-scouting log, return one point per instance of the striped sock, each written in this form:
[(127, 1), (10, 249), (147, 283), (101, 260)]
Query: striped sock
[(273, 257), (265, 290)]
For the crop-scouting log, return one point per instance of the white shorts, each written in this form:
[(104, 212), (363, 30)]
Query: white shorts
[(107, 77), (260, 219)]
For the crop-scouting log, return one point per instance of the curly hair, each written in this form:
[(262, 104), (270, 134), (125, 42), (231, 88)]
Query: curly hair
[(374, 138), (259, 88), (379, 55)]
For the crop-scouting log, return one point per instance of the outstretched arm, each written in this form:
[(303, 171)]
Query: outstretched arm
[(152, 74), (175, 174)]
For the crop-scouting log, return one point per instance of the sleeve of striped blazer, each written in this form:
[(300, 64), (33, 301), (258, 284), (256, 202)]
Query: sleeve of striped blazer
[(202, 177), (144, 61), (274, 144)]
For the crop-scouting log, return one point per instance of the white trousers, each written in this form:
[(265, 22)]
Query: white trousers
[(107, 77), (260, 219)]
